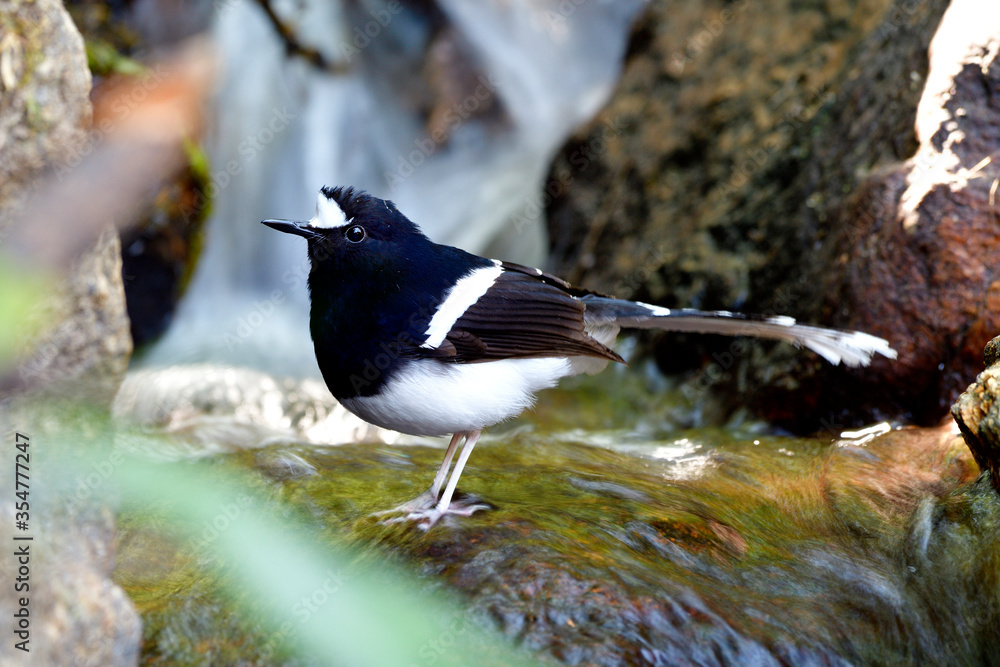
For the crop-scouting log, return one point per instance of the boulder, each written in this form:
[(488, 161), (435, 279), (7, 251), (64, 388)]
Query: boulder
[(820, 166), (77, 615)]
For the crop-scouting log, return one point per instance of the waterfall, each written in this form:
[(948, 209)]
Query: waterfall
[(453, 111)]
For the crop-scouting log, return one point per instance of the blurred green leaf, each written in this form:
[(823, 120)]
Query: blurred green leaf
[(21, 292), (104, 60), (327, 605)]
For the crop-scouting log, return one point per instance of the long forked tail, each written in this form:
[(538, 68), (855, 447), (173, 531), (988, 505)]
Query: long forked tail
[(852, 348)]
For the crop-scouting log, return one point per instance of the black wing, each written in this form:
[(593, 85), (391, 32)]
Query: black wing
[(525, 314)]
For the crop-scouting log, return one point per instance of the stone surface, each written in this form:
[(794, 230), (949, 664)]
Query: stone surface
[(754, 164), (977, 413), (45, 104), (229, 409), (45, 113), (912, 251), (635, 545), (85, 351), (78, 616)]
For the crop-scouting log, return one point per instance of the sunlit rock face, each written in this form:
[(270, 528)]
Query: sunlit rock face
[(452, 110)]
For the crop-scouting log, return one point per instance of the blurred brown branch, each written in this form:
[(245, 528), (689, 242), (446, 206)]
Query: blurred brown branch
[(136, 141), (295, 47)]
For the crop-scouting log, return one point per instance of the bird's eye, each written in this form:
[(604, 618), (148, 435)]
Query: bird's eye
[(355, 234)]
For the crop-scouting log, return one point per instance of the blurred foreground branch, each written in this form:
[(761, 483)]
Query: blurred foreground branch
[(134, 144)]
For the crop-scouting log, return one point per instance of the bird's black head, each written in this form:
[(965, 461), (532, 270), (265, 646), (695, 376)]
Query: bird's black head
[(353, 230)]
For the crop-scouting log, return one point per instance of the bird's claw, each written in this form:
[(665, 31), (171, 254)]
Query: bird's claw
[(426, 510), (427, 517)]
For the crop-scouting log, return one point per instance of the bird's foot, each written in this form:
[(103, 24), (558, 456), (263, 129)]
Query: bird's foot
[(426, 518), (426, 511), (426, 500)]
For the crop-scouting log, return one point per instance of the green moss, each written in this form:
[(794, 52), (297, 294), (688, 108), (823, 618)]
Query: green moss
[(196, 183), (21, 290), (104, 60)]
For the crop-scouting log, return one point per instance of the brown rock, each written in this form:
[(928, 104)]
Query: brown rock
[(772, 165), (914, 257)]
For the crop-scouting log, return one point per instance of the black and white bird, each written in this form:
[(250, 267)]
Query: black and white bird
[(428, 339)]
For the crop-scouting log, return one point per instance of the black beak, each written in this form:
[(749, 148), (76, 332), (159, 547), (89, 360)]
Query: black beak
[(290, 227)]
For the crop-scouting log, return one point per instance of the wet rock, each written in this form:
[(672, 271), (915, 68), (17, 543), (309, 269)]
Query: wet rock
[(207, 409), (771, 165), (771, 550), (912, 257), (977, 414), (78, 616)]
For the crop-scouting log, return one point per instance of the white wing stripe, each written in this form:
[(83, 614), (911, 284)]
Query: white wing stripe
[(459, 299)]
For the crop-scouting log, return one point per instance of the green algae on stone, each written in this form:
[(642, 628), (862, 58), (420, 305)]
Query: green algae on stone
[(620, 535), (594, 555)]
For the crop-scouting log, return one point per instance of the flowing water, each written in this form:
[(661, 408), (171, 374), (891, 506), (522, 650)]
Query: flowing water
[(460, 139), (617, 533)]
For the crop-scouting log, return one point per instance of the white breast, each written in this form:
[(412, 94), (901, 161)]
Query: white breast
[(429, 397)]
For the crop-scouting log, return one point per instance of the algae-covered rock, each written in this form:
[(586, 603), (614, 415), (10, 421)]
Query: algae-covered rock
[(640, 544)]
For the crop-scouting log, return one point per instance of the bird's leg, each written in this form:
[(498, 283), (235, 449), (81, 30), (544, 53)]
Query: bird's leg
[(429, 513), (443, 470), (429, 517), (428, 499)]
